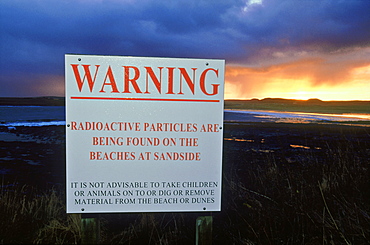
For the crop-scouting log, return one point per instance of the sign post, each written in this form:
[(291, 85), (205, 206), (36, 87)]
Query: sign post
[(203, 230), (143, 134)]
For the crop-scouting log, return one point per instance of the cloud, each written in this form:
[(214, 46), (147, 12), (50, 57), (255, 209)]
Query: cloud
[(25, 85), (36, 34), (342, 74)]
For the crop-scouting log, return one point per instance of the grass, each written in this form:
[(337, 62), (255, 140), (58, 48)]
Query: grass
[(28, 216), (313, 201), (278, 196)]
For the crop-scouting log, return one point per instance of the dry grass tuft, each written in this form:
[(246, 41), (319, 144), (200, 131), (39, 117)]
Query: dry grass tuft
[(30, 216)]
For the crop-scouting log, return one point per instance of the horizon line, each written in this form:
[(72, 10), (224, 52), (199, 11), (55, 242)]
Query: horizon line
[(241, 99)]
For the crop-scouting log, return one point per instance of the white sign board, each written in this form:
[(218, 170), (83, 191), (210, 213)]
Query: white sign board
[(143, 134)]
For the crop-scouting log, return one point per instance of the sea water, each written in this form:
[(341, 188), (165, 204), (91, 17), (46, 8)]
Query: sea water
[(291, 117), (32, 116)]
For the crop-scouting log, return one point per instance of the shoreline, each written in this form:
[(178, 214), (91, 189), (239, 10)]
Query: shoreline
[(361, 116), (261, 116)]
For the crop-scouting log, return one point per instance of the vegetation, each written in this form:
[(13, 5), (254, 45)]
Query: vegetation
[(30, 216), (313, 194)]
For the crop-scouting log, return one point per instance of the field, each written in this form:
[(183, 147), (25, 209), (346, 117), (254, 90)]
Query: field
[(282, 184)]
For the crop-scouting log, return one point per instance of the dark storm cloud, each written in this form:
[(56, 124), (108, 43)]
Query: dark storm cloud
[(35, 35), (313, 26)]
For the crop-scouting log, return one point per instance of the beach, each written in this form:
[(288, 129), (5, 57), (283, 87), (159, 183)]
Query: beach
[(287, 178), (280, 180), (33, 155)]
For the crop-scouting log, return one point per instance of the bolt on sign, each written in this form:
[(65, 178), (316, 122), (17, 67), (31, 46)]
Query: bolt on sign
[(143, 134)]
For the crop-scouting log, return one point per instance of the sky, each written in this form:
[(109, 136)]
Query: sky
[(295, 49)]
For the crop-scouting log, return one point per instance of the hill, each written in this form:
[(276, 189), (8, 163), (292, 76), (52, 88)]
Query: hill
[(33, 101), (272, 104), (311, 105)]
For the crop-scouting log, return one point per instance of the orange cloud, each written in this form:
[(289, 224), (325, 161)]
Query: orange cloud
[(334, 77), (50, 85)]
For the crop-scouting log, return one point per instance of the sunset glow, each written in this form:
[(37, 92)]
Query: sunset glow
[(325, 78), (296, 89)]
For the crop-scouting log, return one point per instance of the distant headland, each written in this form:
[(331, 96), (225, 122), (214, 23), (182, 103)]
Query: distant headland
[(33, 101), (311, 105)]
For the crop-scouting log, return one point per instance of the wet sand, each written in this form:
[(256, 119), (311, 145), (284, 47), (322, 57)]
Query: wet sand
[(36, 155), (33, 155)]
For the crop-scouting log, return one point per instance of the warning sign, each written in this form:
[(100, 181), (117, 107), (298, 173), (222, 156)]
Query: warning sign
[(143, 134)]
